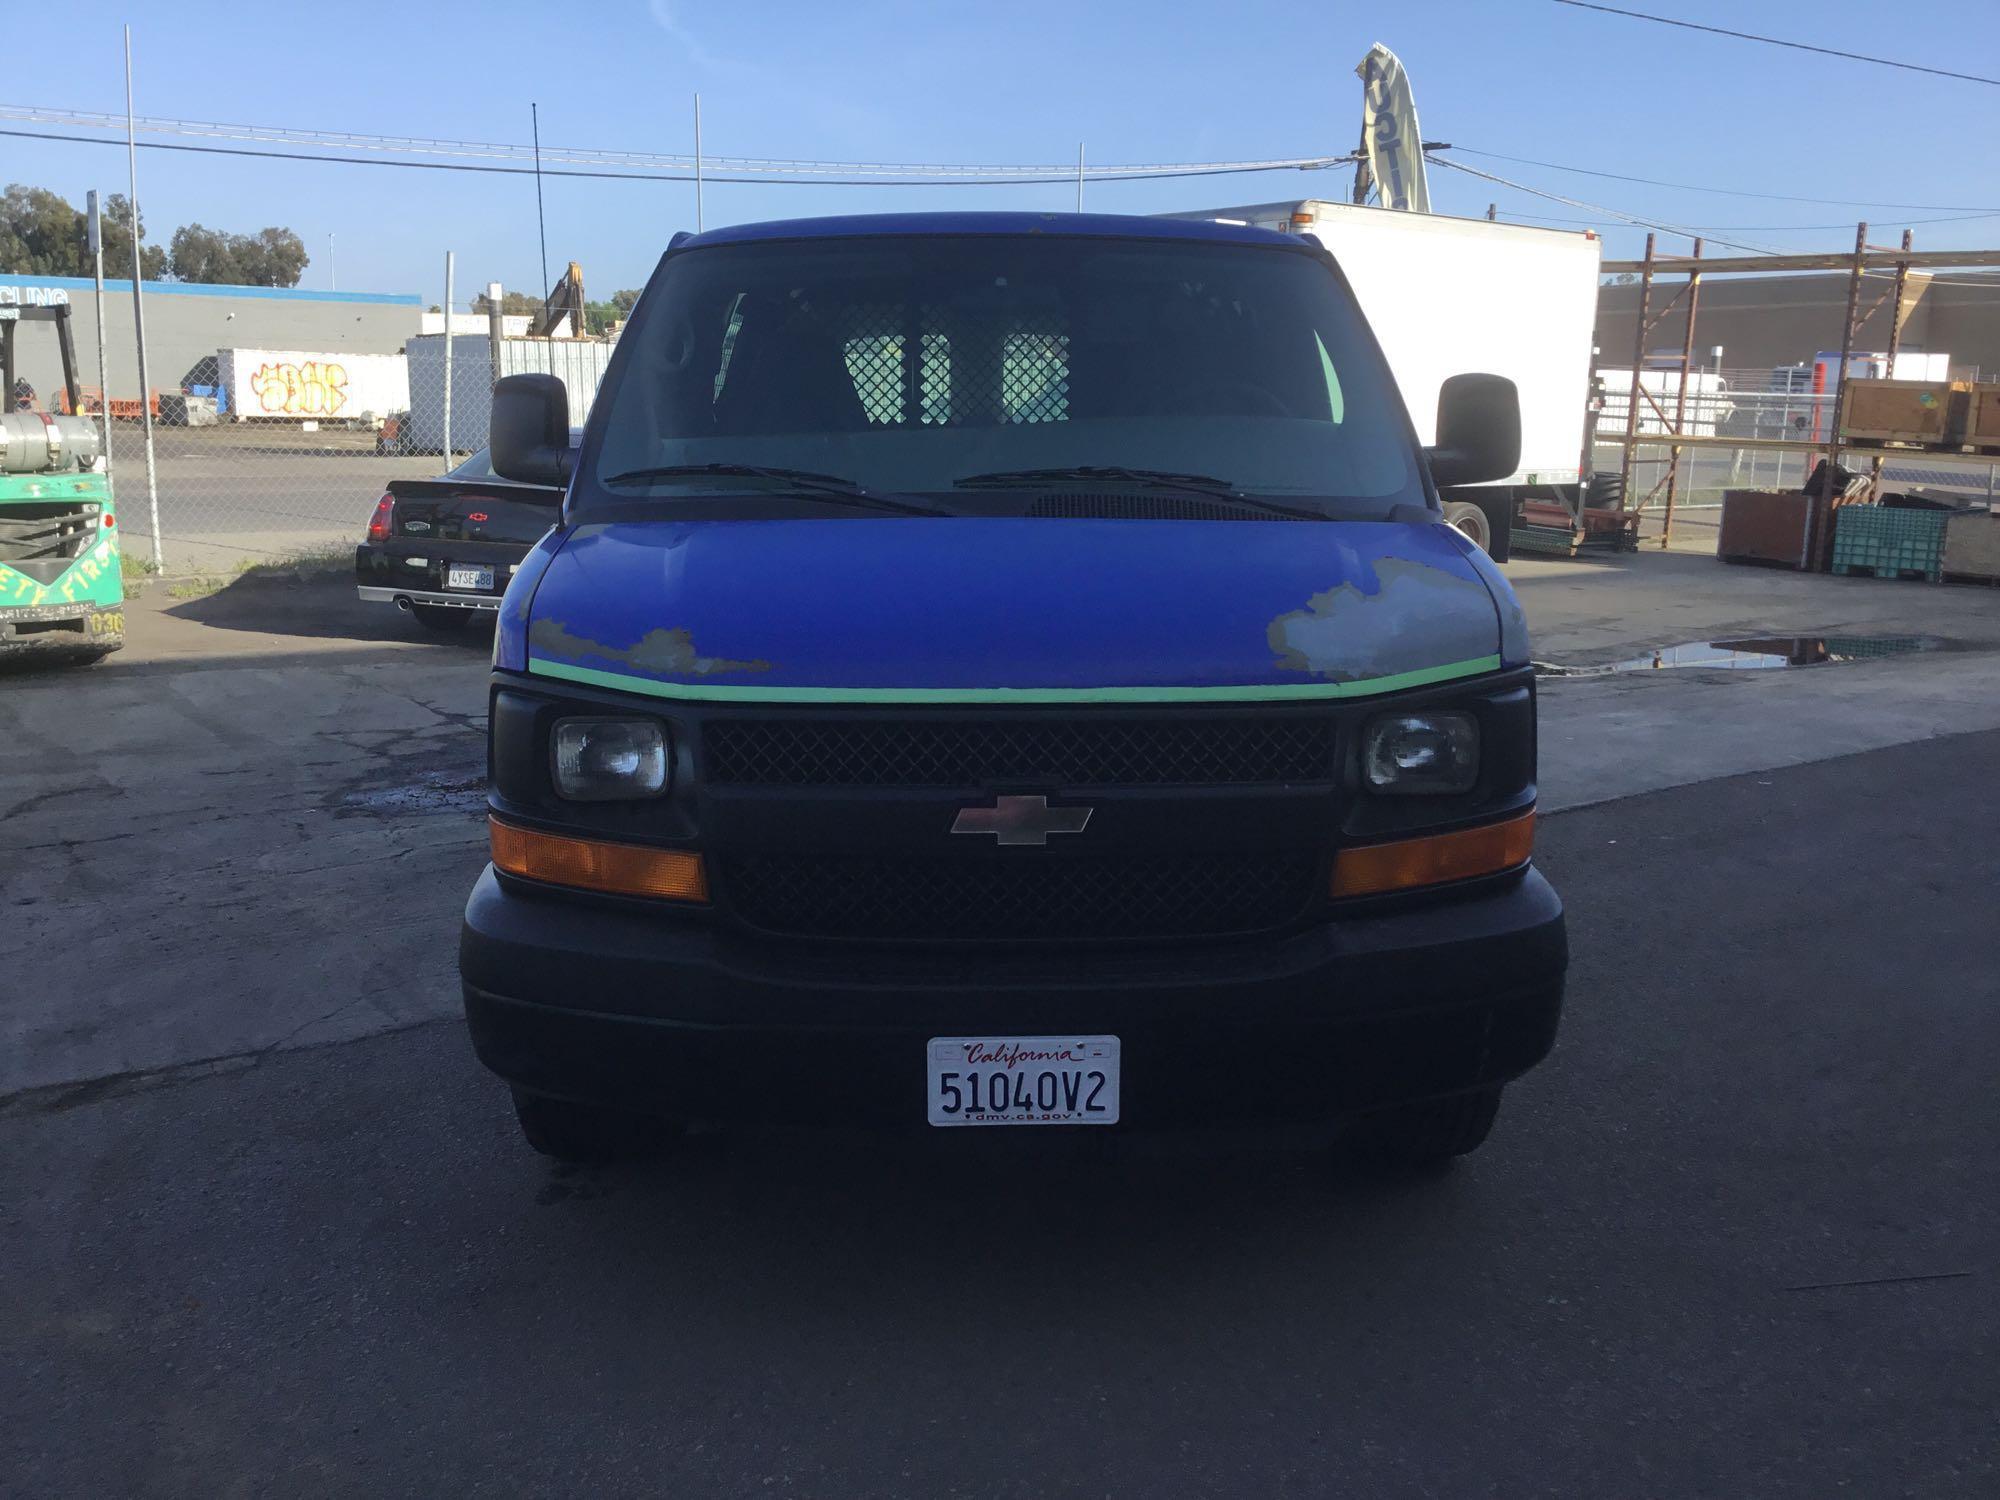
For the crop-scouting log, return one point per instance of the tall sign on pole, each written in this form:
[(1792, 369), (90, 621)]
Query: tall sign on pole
[(1390, 139)]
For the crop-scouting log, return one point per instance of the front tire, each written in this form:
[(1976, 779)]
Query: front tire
[(1429, 1135), (1463, 516), (440, 617)]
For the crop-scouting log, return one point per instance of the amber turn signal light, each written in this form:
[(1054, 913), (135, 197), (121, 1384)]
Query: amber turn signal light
[(1406, 864), (592, 865)]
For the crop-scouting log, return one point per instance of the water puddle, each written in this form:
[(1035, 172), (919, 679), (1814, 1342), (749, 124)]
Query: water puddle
[(1759, 654), (455, 794)]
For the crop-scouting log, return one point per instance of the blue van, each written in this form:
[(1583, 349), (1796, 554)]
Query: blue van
[(1002, 670)]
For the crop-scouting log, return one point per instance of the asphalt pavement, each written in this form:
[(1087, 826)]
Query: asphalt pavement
[(1738, 1236)]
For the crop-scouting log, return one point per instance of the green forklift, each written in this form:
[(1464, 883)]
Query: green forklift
[(62, 595)]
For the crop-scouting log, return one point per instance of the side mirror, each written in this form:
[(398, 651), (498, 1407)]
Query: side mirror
[(1478, 430), (530, 430)]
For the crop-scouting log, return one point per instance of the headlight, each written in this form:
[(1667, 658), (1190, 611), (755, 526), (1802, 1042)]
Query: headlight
[(610, 760), (1421, 753)]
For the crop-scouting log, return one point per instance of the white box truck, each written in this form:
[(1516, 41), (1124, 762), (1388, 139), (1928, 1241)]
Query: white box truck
[(1446, 295)]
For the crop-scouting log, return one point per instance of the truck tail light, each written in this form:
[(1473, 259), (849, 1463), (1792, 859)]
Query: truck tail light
[(595, 865), (1435, 859), (383, 520)]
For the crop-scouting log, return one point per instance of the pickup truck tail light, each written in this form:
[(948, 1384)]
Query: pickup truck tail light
[(1435, 859), (383, 521)]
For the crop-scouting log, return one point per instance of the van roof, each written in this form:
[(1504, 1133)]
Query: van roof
[(1069, 225)]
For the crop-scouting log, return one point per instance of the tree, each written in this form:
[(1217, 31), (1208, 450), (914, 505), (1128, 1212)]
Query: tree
[(118, 242), (40, 234), (43, 234), (271, 257), (205, 255), (599, 316), (512, 304)]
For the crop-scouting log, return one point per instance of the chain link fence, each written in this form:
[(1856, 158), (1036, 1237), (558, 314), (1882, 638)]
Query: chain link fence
[(1759, 404), (273, 452), (279, 453)]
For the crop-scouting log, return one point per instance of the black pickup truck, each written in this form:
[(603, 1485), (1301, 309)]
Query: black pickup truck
[(443, 549)]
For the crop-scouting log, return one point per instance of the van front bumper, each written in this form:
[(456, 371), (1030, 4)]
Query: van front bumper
[(628, 1008)]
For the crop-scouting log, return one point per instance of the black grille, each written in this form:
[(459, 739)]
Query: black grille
[(1019, 898), (980, 752)]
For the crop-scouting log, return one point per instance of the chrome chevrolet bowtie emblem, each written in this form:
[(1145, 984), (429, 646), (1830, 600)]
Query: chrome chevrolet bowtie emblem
[(1021, 820)]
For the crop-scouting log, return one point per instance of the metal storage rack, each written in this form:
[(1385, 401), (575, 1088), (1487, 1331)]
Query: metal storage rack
[(1858, 263)]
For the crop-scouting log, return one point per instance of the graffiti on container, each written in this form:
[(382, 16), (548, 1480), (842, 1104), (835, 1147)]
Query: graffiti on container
[(317, 388)]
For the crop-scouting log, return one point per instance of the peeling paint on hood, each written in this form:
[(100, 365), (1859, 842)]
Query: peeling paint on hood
[(968, 609), (1413, 616), (657, 653)]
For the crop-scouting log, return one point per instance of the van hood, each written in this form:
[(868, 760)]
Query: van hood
[(1009, 609)]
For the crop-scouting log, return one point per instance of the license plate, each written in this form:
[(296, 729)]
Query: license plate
[(1023, 1080), (456, 577)]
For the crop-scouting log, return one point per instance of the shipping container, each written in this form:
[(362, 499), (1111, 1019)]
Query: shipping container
[(299, 385), (580, 363)]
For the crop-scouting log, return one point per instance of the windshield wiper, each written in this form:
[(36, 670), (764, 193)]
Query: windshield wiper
[(1151, 479), (799, 481)]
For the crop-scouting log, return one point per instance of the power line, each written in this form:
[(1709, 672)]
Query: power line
[(1768, 228), (1772, 41), (1068, 174), (1689, 230), (1643, 223), (1692, 187), (751, 167)]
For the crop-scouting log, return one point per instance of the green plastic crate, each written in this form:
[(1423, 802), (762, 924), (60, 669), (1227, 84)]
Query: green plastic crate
[(1887, 541)]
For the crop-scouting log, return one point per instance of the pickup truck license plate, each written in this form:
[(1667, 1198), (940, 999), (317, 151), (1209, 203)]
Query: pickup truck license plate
[(456, 577), (1023, 1080)]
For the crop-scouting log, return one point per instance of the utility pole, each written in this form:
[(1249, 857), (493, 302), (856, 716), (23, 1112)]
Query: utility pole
[(96, 240), (496, 328), (1079, 176), (541, 222), (697, 164), (139, 315), (450, 266)]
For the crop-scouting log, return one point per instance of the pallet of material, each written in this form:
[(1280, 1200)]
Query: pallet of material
[(1881, 541), (1977, 413), (1913, 412), (1546, 527), (1972, 546), (1766, 526)]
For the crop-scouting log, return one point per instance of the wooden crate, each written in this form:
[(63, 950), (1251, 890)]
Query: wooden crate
[(1972, 545), (1979, 426), (1766, 526), (1895, 411), (1782, 528)]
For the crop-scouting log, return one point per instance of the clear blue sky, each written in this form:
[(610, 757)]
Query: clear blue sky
[(896, 80)]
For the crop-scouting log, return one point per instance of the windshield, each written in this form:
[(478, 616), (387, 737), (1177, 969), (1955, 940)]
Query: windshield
[(947, 366), (478, 466)]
